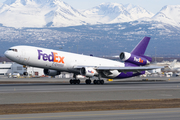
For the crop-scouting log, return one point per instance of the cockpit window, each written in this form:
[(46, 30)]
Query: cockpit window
[(15, 50)]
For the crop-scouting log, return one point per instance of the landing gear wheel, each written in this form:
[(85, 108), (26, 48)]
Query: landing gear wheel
[(95, 81), (78, 81), (71, 81), (74, 81), (102, 82), (98, 82), (88, 81)]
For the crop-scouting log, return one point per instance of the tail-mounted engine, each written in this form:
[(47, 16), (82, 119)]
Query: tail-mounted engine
[(135, 59), (51, 72), (88, 72)]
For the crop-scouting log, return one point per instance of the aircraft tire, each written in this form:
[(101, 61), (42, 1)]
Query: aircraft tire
[(78, 81), (75, 81), (71, 81), (88, 81), (95, 81), (102, 82), (98, 82)]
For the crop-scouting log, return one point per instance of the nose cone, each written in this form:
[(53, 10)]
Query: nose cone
[(6, 53)]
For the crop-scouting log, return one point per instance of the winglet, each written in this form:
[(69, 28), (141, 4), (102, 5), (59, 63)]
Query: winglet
[(141, 47)]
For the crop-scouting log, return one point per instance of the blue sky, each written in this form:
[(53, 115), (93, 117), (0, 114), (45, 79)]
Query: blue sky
[(150, 5)]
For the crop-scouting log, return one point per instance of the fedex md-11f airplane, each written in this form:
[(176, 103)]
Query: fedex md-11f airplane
[(54, 62)]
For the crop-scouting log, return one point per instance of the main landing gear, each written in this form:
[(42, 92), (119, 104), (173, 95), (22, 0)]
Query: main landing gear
[(75, 80), (98, 82), (88, 81)]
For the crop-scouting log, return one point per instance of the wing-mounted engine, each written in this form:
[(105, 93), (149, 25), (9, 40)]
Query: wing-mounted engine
[(51, 72), (88, 72), (135, 59)]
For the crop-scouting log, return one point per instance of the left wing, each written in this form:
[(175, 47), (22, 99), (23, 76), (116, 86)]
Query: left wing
[(129, 69), (122, 69)]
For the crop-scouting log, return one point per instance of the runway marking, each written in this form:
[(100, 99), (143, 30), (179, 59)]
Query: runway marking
[(95, 114), (167, 95), (89, 88)]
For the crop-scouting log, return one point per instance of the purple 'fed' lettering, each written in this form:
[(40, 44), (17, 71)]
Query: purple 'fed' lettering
[(45, 56), (51, 57)]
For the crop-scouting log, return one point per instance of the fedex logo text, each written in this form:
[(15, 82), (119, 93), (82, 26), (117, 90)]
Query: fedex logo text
[(90, 71), (138, 60), (53, 57)]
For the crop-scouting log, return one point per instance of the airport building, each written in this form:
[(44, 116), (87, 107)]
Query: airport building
[(12, 69)]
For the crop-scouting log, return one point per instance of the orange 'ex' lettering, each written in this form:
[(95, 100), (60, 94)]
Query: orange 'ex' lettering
[(141, 61), (58, 59)]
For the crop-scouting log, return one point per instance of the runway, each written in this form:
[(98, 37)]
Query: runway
[(145, 114), (64, 92), (59, 90)]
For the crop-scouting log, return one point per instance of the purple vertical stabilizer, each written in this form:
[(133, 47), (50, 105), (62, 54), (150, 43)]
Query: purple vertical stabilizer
[(137, 56), (141, 47)]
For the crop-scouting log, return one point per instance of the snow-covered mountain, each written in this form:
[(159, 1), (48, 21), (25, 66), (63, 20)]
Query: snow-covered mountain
[(56, 13), (169, 14), (138, 12), (101, 39), (115, 13), (107, 12), (39, 13)]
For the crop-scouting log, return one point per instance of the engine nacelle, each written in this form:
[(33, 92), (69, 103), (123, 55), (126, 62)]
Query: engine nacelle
[(25, 73), (135, 59), (51, 72), (88, 72)]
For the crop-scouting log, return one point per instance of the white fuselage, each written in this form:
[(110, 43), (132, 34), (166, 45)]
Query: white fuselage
[(56, 60)]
